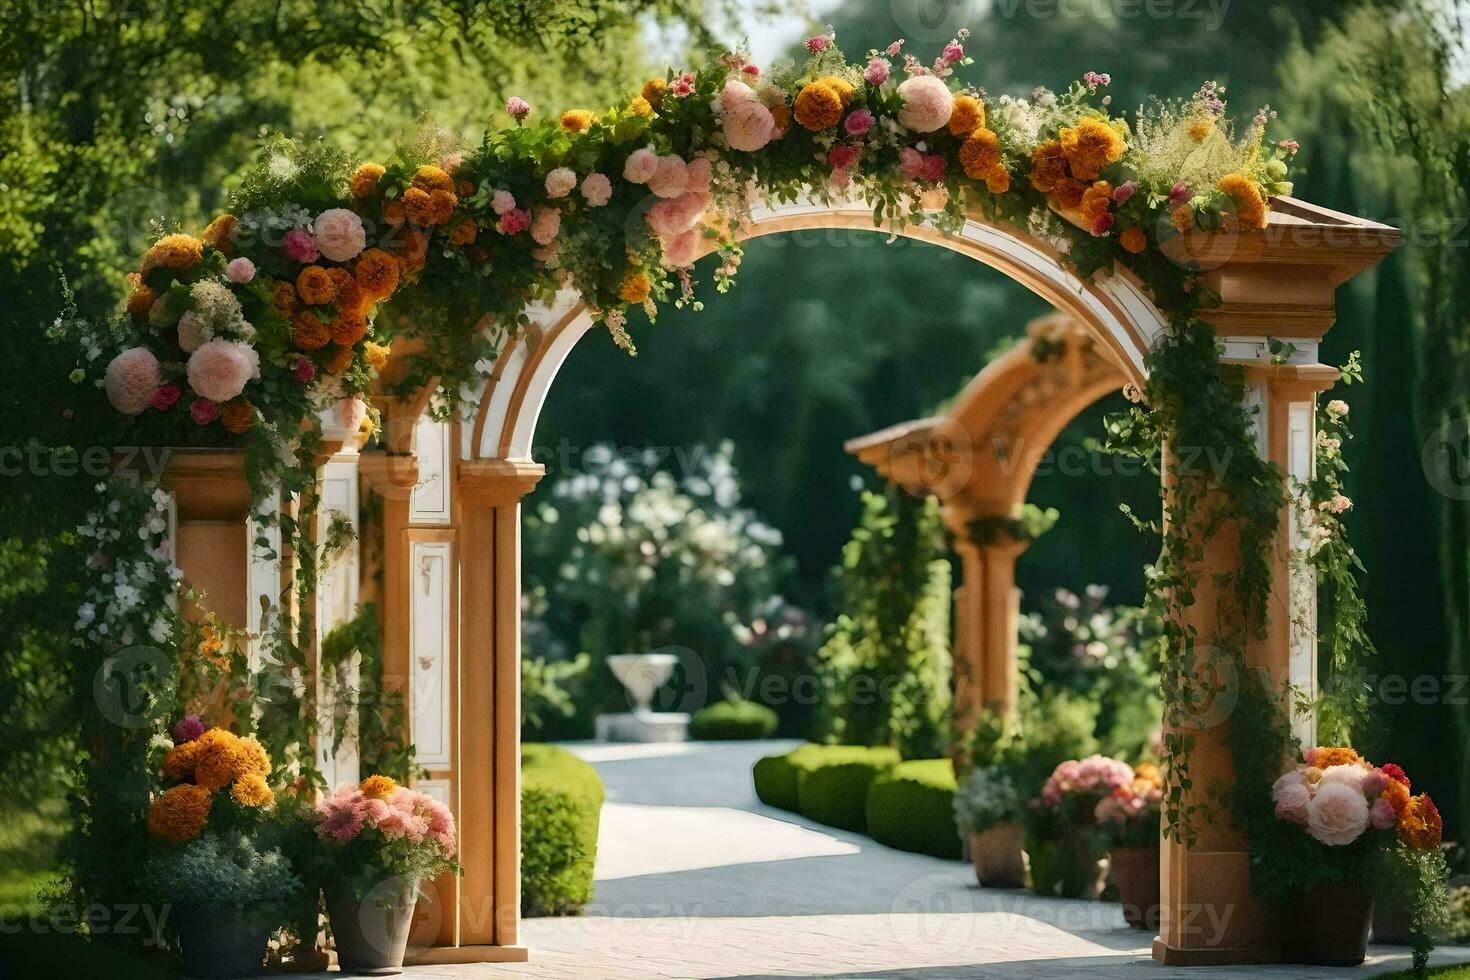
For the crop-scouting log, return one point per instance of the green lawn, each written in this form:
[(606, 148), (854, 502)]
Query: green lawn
[(28, 861), (1441, 973)]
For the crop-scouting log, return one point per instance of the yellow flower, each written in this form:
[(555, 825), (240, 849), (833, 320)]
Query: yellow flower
[(1133, 240), (376, 355), (255, 758), (1200, 128), (980, 153), (217, 235), (968, 115), (180, 813), (640, 106), (1250, 215), (577, 120), (173, 252), (653, 91), (818, 106), (140, 302), (365, 179), (431, 179), (379, 787), (636, 287), (251, 790), (1090, 146), (1048, 166), (220, 759)]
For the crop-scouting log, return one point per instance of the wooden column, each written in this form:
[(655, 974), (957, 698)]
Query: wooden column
[(211, 536), (987, 615)]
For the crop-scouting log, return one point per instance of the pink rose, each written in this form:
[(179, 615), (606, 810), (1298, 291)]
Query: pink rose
[(669, 178), (641, 166), (1337, 814), (858, 123), (219, 369), (818, 44), (131, 378), (669, 218), (545, 225), (596, 189), (502, 201), (877, 71), (1350, 776), (164, 398), (240, 270), (513, 222), (299, 245), (1291, 802), (927, 103), (734, 93), (559, 182), (698, 175), (193, 332), (338, 234), (682, 249), (203, 411), (748, 125)]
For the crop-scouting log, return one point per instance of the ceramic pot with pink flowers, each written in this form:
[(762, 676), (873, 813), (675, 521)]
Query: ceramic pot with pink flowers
[(1061, 823)]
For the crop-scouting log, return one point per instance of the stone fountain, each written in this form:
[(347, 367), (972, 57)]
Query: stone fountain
[(641, 675)]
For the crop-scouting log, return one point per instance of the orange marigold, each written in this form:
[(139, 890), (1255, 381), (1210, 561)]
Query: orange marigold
[(140, 301), (1250, 206), (1133, 240), (577, 120), (365, 179), (1090, 146), (1182, 218), (347, 293), (841, 86), (1095, 201), (315, 286), (1420, 825), (1048, 166), (283, 297), (220, 760), (1069, 193), (431, 178), (237, 417), (379, 787), (393, 212), (178, 765), (1327, 756), (308, 332), (818, 106), (463, 233), (220, 232), (980, 153), (1397, 795), (339, 360), (255, 759), (179, 813), (998, 180), (376, 355), (636, 287), (640, 106), (653, 91), (419, 206), (173, 252), (967, 116), (348, 328), (251, 790), (781, 112), (441, 206), (376, 273)]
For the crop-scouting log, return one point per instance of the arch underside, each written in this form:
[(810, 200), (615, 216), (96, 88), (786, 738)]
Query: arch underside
[(1122, 320)]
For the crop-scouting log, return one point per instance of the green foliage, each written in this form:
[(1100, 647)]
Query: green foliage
[(561, 802), (365, 702), (778, 777), (835, 792), (550, 690), (1417, 879), (775, 781), (885, 668), (733, 720), (1030, 524), (986, 797), (911, 807), (219, 873)]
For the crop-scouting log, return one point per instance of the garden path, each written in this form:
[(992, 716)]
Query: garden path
[(696, 878)]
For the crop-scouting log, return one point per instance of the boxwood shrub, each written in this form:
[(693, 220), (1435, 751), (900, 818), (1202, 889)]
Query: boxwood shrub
[(729, 721), (911, 807), (561, 801), (825, 783)]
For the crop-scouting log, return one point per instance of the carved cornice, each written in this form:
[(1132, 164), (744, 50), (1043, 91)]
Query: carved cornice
[(496, 482)]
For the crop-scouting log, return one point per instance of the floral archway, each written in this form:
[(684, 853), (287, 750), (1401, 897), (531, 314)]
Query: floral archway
[(430, 299)]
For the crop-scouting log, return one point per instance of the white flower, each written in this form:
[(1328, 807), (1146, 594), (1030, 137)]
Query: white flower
[(559, 182)]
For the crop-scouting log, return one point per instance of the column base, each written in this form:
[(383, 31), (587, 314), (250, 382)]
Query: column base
[(444, 955), (1213, 955)]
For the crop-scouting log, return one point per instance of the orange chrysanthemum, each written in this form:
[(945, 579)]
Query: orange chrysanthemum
[(1095, 201), (284, 298), (463, 233), (441, 206), (348, 328), (315, 286), (1090, 146), (980, 153), (393, 212), (365, 180), (376, 273), (173, 252), (653, 91), (237, 417), (430, 178), (419, 206), (379, 787), (179, 813), (1328, 756), (998, 180), (818, 106), (251, 790), (1133, 240), (346, 292), (1420, 825), (1397, 794), (781, 113), (339, 360), (254, 758), (636, 287), (308, 332), (1048, 167), (1249, 205), (577, 120), (178, 764), (841, 86), (140, 302), (220, 759), (220, 232), (967, 116)]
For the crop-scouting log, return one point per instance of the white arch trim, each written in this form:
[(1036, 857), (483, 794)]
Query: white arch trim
[(1113, 307)]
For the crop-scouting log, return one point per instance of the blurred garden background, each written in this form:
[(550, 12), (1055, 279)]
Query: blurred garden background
[(698, 498)]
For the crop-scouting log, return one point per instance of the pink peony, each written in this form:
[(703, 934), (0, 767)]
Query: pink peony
[(670, 218), (352, 411), (502, 201), (165, 397), (513, 222), (130, 380), (858, 123), (1350, 776), (219, 369), (299, 245), (1381, 815), (734, 93), (338, 234), (749, 126), (1337, 814), (641, 166), (877, 71), (1291, 802), (596, 189), (203, 411), (545, 225), (669, 179), (559, 182), (927, 103), (240, 270), (518, 108), (188, 728), (193, 332), (682, 249), (699, 173)]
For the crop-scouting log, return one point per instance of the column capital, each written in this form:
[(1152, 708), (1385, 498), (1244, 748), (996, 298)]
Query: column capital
[(1297, 382), (390, 475), (497, 482)]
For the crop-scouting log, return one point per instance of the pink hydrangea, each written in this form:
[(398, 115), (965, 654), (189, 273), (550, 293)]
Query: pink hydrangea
[(1337, 814), (166, 397), (188, 728), (338, 234), (596, 189), (193, 332), (670, 177), (513, 222), (641, 166), (669, 218), (545, 225), (240, 270), (877, 71), (682, 249), (748, 126), (927, 104), (559, 182), (130, 380), (203, 411), (502, 201), (220, 369), (858, 123), (299, 245)]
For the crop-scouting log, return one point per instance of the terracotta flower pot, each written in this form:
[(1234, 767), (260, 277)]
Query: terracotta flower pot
[(1136, 871), (1328, 926), (1067, 865), (371, 930), (219, 943), (1000, 861)]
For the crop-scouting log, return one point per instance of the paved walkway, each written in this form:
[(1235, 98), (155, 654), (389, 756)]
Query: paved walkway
[(695, 878)]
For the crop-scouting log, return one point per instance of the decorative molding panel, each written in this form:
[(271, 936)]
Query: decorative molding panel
[(431, 501), (429, 651), (1302, 666)]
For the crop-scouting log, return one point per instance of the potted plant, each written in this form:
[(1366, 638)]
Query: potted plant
[(1339, 818), (1065, 859), (211, 859), (381, 841), (1128, 825), (987, 810)]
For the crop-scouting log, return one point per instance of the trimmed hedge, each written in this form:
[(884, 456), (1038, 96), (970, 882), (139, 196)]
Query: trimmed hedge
[(825, 783), (730, 721), (561, 802), (911, 807)]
